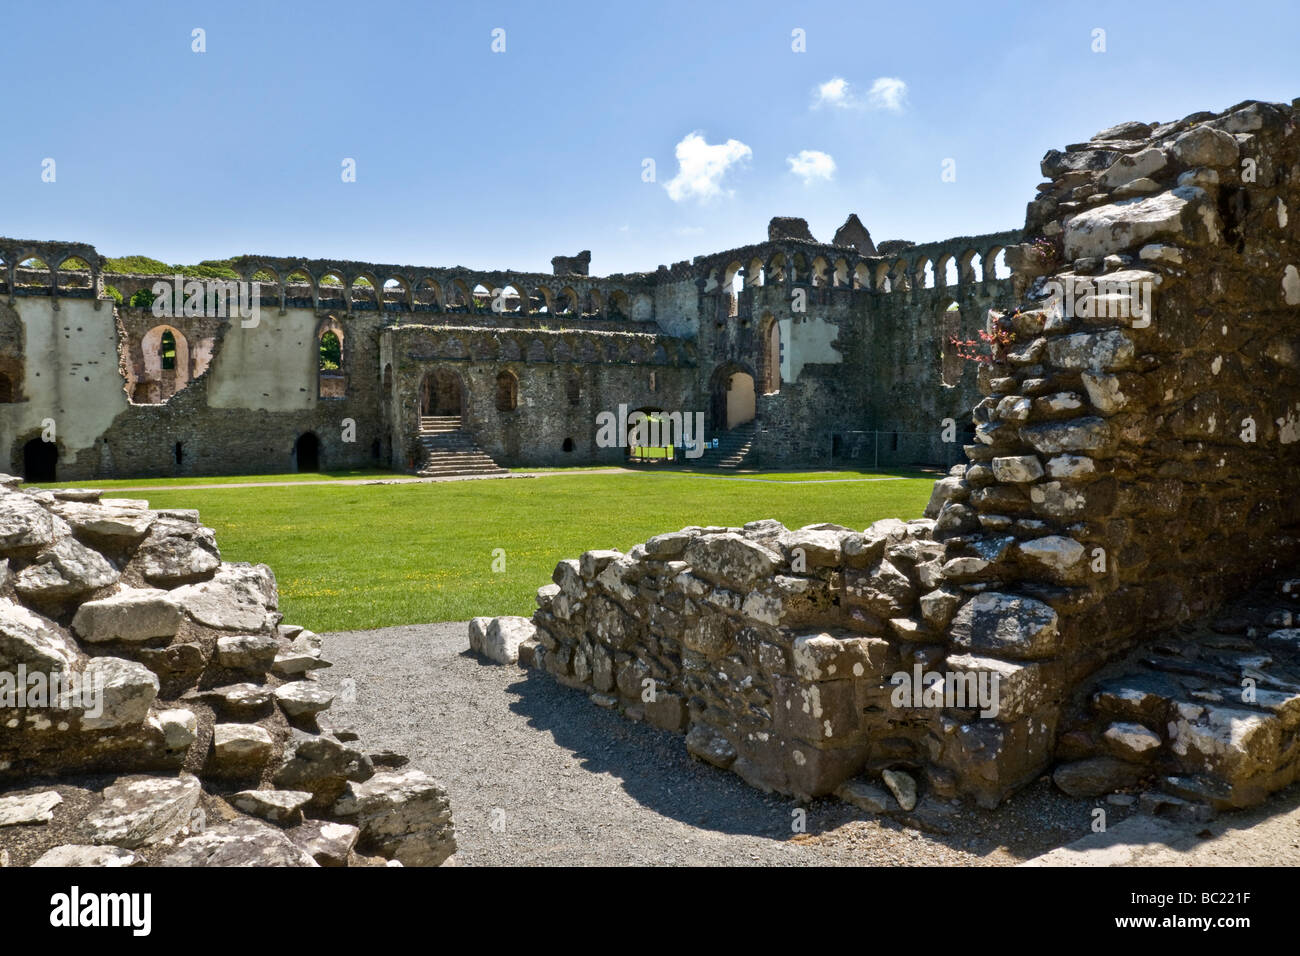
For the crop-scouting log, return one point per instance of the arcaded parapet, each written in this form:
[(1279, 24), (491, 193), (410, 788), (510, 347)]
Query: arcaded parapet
[(127, 646), (1133, 468)]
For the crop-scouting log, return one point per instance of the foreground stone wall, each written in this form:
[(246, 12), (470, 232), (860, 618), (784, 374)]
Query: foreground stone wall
[(1134, 468), (153, 685)]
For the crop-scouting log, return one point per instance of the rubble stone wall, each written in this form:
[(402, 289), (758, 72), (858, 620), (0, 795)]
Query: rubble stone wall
[(129, 649)]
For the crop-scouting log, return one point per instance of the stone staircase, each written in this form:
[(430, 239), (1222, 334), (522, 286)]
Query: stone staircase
[(733, 448), (450, 452)]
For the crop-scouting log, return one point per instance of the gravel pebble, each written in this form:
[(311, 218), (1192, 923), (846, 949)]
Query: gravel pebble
[(538, 775)]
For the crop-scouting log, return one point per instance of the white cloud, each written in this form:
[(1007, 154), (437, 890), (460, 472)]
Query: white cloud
[(886, 93), (700, 167), (833, 92), (811, 164)]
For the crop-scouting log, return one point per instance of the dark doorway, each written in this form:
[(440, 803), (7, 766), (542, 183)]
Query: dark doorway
[(307, 451), (440, 393), (40, 460)]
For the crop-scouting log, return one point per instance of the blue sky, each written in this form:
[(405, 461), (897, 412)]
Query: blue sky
[(502, 160)]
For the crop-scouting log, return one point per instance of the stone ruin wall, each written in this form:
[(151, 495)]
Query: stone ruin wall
[(867, 354), (205, 713), (1113, 491), (565, 377)]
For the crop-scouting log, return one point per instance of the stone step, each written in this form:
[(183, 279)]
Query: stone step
[(450, 452)]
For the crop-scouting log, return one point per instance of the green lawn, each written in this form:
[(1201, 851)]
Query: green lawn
[(224, 479), (362, 556)]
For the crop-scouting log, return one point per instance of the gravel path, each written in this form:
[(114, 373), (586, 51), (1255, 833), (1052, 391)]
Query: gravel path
[(539, 775)]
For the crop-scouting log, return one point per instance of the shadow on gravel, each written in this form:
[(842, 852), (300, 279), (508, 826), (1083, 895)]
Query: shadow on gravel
[(654, 768)]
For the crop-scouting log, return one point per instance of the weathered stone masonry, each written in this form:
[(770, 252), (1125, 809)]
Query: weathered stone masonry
[(1132, 470), (814, 345), (129, 648)]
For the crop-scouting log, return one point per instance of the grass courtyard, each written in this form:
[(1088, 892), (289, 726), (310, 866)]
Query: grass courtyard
[(365, 556)]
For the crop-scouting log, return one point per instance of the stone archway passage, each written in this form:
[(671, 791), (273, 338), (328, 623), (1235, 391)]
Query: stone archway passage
[(732, 398), (40, 460), (740, 399), (307, 452)]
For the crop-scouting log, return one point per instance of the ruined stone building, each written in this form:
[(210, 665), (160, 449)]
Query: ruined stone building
[(798, 352)]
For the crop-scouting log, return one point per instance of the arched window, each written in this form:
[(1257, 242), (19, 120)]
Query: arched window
[(331, 353), (167, 351), (332, 381), (507, 391)]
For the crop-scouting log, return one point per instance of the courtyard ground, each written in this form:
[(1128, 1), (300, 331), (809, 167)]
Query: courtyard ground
[(353, 556), (540, 775)]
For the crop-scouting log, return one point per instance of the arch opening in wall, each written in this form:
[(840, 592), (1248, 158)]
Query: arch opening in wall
[(178, 452), (298, 287), (862, 276), (397, 295), (732, 397), (74, 273), (512, 300), (947, 271), (841, 278), (481, 297), (306, 452), (899, 279), (1000, 270), (37, 277), (817, 273), (541, 301), (883, 283), (442, 393), (951, 364), (332, 378), (331, 291), (388, 380), (164, 369), (649, 437), (428, 293), (40, 460), (733, 284), (620, 306), (754, 274), (567, 301), (458, 296), (770, 340), (365, 293), (167, 351), (925, 274), (567, 447), (507, 391)]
